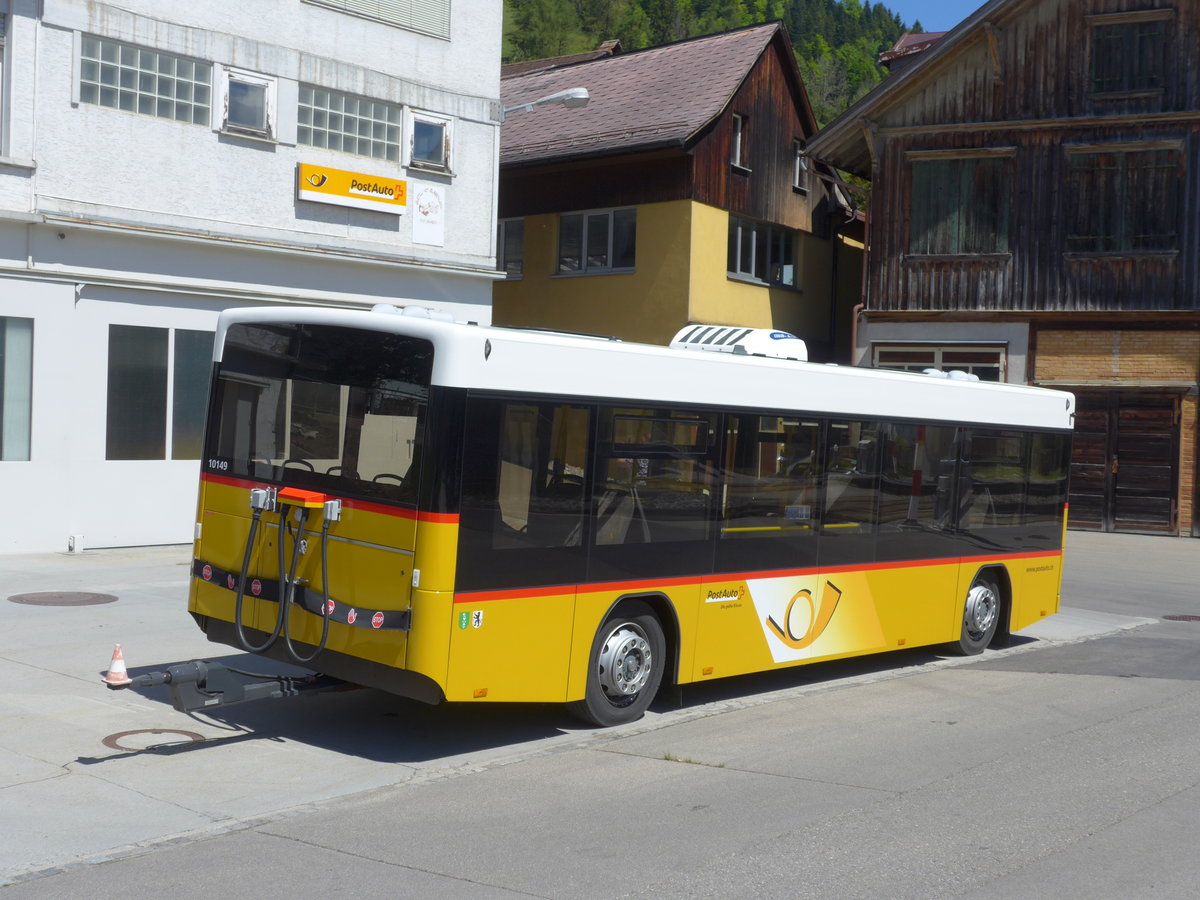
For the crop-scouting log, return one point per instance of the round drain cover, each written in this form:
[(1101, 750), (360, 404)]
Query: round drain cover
[(140, 739), (62, 598)]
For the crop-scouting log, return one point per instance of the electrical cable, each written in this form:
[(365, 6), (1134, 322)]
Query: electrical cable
[(287, 637), (239, 626)]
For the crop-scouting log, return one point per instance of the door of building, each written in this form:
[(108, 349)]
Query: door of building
[(1124, 467)]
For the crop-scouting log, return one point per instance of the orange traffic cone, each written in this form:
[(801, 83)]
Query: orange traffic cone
[(117, 677)]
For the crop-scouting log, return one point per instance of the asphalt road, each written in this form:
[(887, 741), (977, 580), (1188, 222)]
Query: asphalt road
[(1066, 765)]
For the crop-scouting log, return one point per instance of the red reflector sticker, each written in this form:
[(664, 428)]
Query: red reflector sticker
[(206, 573), (256, 587), (377, 620)]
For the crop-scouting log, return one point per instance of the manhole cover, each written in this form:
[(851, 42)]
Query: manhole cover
[(62, 598), (144, 739), (1182, 618)]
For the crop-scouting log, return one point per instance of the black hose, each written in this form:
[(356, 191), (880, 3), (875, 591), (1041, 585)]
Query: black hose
[(243, 641), (287, 637)]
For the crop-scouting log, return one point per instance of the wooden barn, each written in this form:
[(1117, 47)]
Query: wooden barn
[(1035, 182)]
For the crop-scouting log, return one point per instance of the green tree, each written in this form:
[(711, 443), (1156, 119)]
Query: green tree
[(542, 28)]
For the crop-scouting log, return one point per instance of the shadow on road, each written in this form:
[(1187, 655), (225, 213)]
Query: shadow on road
[(382, 727)]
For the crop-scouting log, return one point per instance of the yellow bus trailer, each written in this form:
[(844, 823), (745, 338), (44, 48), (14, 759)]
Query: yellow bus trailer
[(456, 512)]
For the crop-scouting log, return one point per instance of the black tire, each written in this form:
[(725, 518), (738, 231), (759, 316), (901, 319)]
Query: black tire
[(981, 615), (625, 668)]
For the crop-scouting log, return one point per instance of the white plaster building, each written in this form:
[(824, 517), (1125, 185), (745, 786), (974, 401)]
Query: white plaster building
[(161, 160)]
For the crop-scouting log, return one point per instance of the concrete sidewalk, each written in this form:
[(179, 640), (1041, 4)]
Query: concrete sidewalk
[(90, 774)]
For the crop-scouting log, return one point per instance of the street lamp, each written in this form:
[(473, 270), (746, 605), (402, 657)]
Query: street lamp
[(572, 98)]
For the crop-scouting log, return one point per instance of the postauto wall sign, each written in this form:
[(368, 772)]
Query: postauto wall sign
[(360, 190)]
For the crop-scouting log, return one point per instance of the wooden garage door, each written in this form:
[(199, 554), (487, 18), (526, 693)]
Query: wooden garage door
[(1124, 466)]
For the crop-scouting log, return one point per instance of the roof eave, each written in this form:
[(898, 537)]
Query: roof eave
[(836, 142)]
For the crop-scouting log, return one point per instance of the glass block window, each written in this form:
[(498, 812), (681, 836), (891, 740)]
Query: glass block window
[(140, 80), (349, 124)]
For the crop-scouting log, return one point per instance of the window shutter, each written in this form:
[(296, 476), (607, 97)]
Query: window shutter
[(428, 16)]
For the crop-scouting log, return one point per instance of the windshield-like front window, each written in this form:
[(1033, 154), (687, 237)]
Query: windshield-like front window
[(321, 406)]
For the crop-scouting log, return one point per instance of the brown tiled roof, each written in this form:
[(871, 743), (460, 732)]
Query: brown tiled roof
[(649, 98), (608, 48), (910, 43)]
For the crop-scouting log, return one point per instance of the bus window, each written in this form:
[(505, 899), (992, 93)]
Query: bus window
[(996, 475), (654, 483), (917, 477), (770, 478), (323, 407), (542, 460), (851, 492), (523, 496), (1046, 491)]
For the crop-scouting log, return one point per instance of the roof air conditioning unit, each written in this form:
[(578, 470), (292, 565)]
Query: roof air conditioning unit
[(741, 341)]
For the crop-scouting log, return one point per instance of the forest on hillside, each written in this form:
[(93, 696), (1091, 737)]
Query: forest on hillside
[(837, 42)]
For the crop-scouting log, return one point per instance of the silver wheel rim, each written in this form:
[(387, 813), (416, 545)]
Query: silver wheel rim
[(982, 607), (625, 662)]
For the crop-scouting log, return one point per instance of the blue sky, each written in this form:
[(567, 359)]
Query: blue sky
[(934, 15)]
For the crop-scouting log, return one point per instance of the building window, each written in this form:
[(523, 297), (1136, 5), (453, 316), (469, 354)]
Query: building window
[(1124, 200), (157, 389), (428, 16), (737, 148), (960, 206), (600, 241), (249, 103), (510, 247), (139, 80), (987, 362), (800, 172), (761, 252), (16, 387), (349, 124), (1129, 51), (430, 138)]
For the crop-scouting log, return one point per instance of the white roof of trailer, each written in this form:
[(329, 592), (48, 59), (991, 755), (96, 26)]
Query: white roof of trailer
[(556, 364)]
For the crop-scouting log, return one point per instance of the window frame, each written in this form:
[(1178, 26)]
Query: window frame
[(968, 208), (775, 236), (585, 267), (737, 143), (801, 169), (16, 401), (415, 117), (939, 349), (167, 408), (503, 262), (1131, 20), (233, 76), (1124, 213)]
